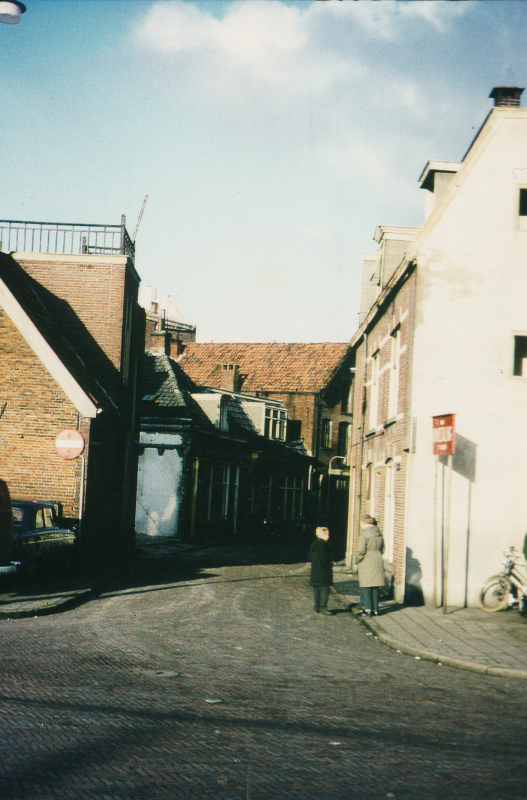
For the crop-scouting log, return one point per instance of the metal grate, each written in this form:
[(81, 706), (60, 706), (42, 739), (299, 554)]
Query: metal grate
[(61, 237)]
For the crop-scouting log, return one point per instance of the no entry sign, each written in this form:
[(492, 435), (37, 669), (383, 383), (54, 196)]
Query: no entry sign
[(444, 435), (69, 443)]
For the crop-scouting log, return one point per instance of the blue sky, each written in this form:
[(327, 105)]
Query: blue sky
[(271, 138)]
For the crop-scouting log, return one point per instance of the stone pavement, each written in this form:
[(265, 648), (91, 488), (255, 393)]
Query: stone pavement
[(466, 638), (207, 676)]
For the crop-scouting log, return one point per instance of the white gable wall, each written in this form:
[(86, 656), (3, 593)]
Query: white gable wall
[(471, 298)]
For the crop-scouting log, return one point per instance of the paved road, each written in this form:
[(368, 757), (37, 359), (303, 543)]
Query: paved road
[(215, 679)]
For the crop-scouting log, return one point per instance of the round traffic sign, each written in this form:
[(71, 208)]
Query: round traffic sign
[(69, 443)]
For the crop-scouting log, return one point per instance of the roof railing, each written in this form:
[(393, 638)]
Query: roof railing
[(65, 238)]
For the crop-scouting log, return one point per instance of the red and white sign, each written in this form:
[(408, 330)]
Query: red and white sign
[(69, 443), (444, 435)]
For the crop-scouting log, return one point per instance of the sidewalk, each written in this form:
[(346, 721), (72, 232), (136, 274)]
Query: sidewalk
[(466, 638)]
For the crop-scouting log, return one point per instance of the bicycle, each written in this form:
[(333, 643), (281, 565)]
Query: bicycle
[(509, 588)]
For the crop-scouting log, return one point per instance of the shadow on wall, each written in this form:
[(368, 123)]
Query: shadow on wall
[(413, 592), (464, 464), (464, 459)]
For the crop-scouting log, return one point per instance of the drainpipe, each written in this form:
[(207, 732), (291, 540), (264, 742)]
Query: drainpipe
[(362, 431), (81, 497)]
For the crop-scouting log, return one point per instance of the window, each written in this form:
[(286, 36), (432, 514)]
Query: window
[(374, 391), (292, 495), (346, 403), (522, 210), (343, 440), (393, 391), (370, 490), (49, 521), (389, 509), (326, 433), (275, 424), (520, 356)]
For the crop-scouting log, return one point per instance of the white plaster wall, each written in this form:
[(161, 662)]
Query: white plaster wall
[(158, 486), (471, 296)]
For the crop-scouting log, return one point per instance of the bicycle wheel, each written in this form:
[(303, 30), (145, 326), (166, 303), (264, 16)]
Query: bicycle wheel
[(495, 594)]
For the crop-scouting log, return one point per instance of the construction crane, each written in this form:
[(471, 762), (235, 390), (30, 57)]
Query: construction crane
[(139, 218)]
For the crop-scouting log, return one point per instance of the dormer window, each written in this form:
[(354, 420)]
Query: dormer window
[(275, 424)]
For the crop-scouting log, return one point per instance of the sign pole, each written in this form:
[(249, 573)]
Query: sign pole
[(447, 535), (444, 444), (435, 534)]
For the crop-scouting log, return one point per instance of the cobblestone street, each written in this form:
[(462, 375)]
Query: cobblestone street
[(204, 674)]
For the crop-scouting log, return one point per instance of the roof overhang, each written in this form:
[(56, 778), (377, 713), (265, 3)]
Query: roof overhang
[(82, 402), (426, 179)]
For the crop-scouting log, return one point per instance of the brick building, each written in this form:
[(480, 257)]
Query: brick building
[(313, 382), (444, 331), (166, 329), (72, 336), (212, 467)]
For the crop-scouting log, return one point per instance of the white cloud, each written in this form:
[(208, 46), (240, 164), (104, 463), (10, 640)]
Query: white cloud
[(256, 38), (386, 20)]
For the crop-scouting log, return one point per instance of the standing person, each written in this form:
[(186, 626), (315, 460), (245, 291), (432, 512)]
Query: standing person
[(321, 578), (371, 570)]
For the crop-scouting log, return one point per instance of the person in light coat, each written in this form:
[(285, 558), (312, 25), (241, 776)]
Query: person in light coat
[(371, 569)]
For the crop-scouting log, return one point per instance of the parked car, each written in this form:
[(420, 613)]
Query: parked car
[(40, 543), (6, 530)]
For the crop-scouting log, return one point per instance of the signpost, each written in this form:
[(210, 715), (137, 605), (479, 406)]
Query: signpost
[(70, 444), (444, 444)]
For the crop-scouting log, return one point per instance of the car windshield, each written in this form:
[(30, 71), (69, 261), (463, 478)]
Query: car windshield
[(18, 516)]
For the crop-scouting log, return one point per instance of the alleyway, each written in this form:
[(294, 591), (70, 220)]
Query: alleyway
[(203, 675)]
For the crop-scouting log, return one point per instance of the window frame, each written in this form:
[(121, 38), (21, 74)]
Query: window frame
[(326, 433), (521, 219), (517, 335)]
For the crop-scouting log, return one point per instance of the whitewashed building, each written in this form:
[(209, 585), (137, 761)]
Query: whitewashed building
[(447, 334)]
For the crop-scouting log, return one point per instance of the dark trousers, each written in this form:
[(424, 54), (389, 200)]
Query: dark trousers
[(321, 594), (370, 595)]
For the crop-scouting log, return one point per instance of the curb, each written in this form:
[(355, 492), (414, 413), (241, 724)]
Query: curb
[(447, 661), (45, 611)]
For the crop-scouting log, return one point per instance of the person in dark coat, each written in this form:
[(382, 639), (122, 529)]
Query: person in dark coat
[(321, 578), (371, 569)]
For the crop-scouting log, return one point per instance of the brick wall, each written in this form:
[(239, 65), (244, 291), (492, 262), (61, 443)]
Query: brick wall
[(93, 288), (389, 440), (303, 407), (36, 410)]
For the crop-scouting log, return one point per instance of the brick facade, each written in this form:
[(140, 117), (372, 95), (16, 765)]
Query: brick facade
[(382, 441), (35, 411), (86, 306)]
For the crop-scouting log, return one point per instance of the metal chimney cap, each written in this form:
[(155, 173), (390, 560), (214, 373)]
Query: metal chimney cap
[(507, 96)]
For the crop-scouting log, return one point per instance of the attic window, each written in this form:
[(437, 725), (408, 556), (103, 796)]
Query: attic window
[(275, 424), (520, 357)]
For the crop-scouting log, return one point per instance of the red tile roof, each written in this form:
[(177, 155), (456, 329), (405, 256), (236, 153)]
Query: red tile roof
[(271, 367)]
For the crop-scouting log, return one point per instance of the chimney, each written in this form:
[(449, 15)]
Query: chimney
[(506, 96), (230, 378)]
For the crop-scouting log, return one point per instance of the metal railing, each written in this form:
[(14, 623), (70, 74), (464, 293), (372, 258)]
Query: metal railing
[(61, 237)]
